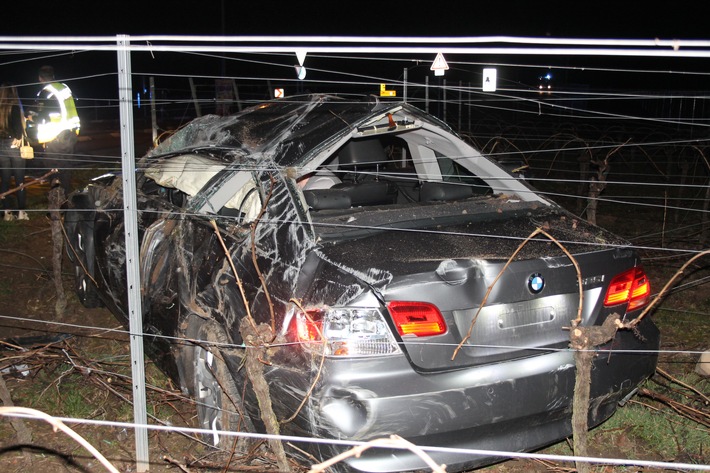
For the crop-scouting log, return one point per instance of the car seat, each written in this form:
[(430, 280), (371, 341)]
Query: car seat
[(359, 166)]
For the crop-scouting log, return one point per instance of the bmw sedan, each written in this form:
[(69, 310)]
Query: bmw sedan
[(366, 250)]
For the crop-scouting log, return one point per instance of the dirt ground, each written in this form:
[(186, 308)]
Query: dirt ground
[(82, 376), (85, 372), (59, 378)]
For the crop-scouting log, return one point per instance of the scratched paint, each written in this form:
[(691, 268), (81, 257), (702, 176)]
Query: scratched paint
[(435, 221)]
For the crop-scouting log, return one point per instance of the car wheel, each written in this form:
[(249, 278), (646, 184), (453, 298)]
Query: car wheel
[(219, 404), (85, 289), (71, 219), (79, 231), (84, 284), (79, 211)]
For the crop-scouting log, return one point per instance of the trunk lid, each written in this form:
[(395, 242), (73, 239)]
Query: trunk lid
[(453, 259)]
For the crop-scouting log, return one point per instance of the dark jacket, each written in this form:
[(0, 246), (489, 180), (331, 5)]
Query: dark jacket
[(15, 124)]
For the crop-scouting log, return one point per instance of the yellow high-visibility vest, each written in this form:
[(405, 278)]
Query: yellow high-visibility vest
[(57, 121)]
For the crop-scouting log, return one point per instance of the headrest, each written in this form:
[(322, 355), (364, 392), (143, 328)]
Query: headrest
[(357, 152)]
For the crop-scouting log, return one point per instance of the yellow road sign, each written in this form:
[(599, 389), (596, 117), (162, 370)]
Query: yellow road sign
[(387, 93)]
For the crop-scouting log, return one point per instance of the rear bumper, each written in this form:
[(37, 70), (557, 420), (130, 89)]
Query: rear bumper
[(513, 406)]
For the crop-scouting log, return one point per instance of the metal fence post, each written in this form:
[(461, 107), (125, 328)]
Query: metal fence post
[(125, 96)]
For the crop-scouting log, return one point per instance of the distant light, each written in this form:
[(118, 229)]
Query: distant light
[(548, 76), (138, 99)]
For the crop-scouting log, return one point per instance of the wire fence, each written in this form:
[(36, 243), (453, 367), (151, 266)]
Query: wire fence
[(659, 174)]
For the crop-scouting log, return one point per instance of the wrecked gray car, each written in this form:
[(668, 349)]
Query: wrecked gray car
[(351, 247)]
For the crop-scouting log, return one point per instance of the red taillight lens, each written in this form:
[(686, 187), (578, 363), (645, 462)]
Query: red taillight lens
[(630, 286), (417, 318)]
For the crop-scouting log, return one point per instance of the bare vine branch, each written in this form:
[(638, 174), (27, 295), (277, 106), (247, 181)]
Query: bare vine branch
[(320, 366), (536, 232), (24, 185), (253, 226), (666, 288), (236, 275)]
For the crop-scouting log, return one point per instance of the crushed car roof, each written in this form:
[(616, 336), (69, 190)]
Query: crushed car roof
[(295, 127)]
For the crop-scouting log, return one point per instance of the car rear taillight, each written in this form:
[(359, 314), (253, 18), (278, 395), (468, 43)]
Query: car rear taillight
[(420, 319), (631, 286), (348, 331)]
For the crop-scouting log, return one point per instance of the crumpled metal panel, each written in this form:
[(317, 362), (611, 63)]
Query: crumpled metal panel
[(285, 130), (447, 252)]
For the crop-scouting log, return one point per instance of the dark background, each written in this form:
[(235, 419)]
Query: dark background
[(92, 75), (627, 19)]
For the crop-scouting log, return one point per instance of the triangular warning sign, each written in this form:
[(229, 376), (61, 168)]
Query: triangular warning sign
[(439, 63)]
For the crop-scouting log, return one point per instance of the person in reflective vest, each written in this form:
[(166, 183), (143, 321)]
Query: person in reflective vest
[(56, 123)]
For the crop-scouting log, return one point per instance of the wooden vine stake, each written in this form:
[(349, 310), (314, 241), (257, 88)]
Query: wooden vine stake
[(56, 199), (255, 358), (259, 340), (582, 341)]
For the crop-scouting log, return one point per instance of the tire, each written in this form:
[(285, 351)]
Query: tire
[(219, 403), (85, 289), (77, 213), (79, 228), (71, 220)]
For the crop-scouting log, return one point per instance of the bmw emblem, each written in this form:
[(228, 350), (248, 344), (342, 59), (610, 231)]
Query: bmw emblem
[(536, 283)]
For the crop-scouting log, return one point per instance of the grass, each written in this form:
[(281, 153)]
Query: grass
[(5, 287), (59, 392), (655, 430), (58, 388), (643, 429), (689, 325), (9, 231)]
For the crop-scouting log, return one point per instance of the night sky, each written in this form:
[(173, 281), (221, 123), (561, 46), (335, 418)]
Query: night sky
[(559, 19), (617, 19)]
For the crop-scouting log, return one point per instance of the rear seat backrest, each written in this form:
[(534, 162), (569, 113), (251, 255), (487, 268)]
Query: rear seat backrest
[(361, 155), (367, 192), (327, 199), (358, 163), (442, 191)]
